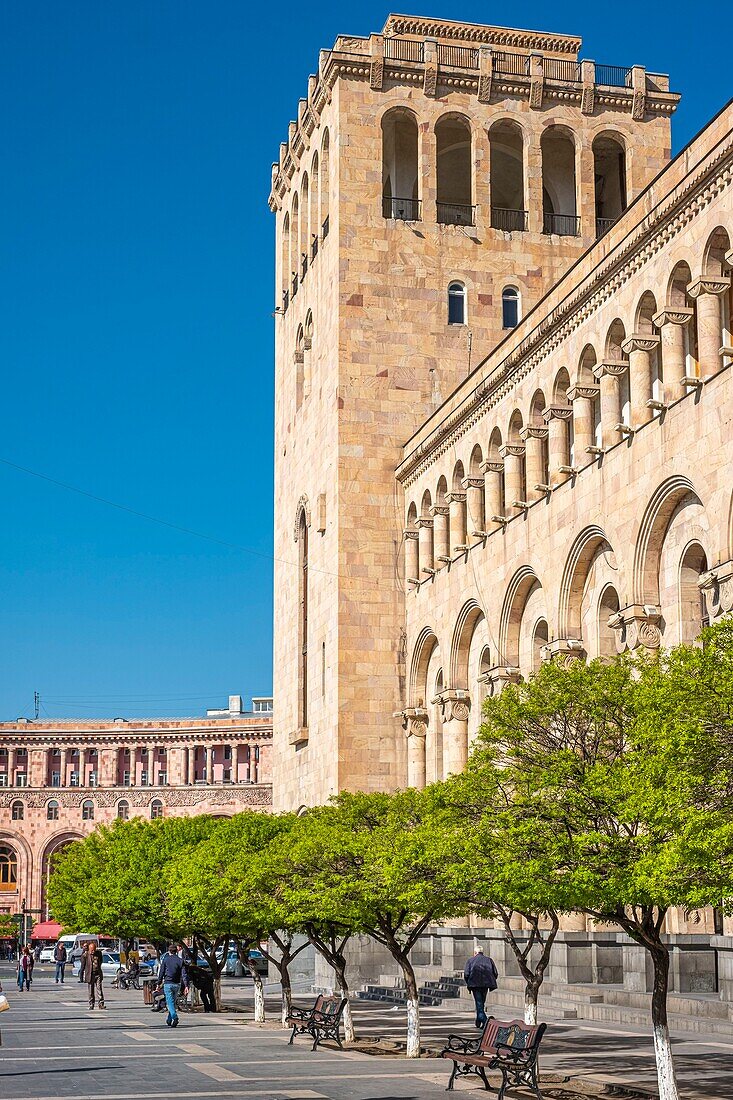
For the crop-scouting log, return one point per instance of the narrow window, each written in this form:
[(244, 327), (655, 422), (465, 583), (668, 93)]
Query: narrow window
[(303, 626), (509, 307), (52, 811), (156, 809), (323, 670), (87, 810), (456, 304), (18, 812), (123, 810)]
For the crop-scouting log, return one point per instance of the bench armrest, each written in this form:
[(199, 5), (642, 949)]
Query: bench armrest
[(463, 1044), (299, 1013), (507, 1053)]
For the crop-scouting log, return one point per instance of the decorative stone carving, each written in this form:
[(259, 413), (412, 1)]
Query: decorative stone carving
[(611, 368), (557, 412), (636, 625), (496, 677), (680, 315), (140, 797), (414, 721), (472, 483), (708, 284), (458, 498), (455, 704), (589, 393), (564, 651), (515, 449), (640, 341), (492, 466), (534, 431), (423, 521), (302, 506), (639, 105), (438, 510), (717, 587), (588, 99), (376, 74)]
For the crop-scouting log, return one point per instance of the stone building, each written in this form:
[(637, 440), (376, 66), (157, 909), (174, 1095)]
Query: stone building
[(503, 403), (60, 779)]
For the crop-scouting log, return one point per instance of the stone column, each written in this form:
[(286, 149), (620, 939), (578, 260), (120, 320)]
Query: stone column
[(639, 348), (585, 175), (107, 767), (425, 527), (533, 203), (534, 437), (36, 761), (494, 472), (428, 161), (191, 764), (441, 534), (209, 764), (582, 398), (411, 554), (415, 725), (456, 706), (457, 521), (671, 324), (513, 455), (12, 766), (557, 418), (64, 767), (476, 519), (707, 292), (608, 374), (234, 762)]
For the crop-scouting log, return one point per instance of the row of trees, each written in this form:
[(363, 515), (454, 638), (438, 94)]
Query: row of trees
[(605, 789)]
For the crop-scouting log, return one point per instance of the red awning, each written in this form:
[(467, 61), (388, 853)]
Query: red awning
[(46, 930)]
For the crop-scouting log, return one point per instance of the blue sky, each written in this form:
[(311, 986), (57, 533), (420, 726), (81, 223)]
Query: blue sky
[(136, 331)]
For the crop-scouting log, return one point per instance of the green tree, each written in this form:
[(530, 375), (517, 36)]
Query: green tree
[(8, 927), (605, 758)]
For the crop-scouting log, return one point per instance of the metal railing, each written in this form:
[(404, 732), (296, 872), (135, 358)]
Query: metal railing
[(615, 76), (562, 225), (455, 213), (324, 228), (557, 69), (405, 210), (286, 301), (303, 265), (458, 57), (294, 285), (314, 247), (404, 49), (510, 221), (515, 64), (603, 225)]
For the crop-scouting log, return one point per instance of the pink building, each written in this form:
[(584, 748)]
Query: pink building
[(61, 778)]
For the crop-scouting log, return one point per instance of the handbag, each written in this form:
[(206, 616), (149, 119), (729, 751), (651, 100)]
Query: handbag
[(4, 1003)]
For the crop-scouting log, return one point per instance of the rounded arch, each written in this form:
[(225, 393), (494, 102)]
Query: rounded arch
[(540, 638), (646, 310), (305, 206), (583, 550), (469, 616), (425, 645), (515, 426), (692, 613), (122, 809), (511, 306), (506, 169), (412, 516), (302, 516), (716, 247), (536, 408), (615, 338), (679, 279), (156, 809), (51, 849), (512, 608), (495, 442), (453, 147), (441, 490), (459, 475), (425, 505), (9, 876), (17, 810), (560, 387), (608, 606), (400, 176), (475, 461), (586, 363), (654, 522), (609, 173), (559, 200)]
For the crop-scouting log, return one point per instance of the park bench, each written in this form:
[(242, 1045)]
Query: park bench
[(322, 1021), (510, 1048)]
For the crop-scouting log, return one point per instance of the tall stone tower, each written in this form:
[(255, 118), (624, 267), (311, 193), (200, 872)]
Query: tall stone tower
[(438, 180)]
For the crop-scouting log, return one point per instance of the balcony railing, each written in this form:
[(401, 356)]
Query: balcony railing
[(303, 266), (294, 285), (615, 76), (603, 225), (562, 225), (458, 57), (557, 69), (514, 64), (404, 49), (314, 247), (510, 221), (324, 228), (455, 213), (286, 301), (404, 210)]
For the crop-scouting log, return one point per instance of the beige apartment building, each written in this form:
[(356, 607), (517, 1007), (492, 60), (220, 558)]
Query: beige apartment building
[(503, 405)]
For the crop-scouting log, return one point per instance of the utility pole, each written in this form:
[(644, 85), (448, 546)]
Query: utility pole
[(37, 703)]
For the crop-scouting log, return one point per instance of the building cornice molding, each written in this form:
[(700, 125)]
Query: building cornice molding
[(481, 33), (36, 798)]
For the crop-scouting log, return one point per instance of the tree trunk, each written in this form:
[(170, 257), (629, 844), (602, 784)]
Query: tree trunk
[(533, 976), (531, 990), (217, 992), (413, 1009), (666, 1078), (287, 996), (259, 992), (343, 988)]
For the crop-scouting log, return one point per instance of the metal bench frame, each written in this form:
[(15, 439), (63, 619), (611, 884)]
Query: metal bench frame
[(510, 1047), (321, 1022)]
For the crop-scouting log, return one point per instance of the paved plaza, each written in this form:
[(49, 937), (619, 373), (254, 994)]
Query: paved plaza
[(54, 1047)]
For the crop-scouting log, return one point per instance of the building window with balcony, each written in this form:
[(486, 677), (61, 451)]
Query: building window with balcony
[(506, 145), (8, 868), (87, 810), (123, 810), (18, 811), (456, 304), (400, 197), (509, 307), (453, 146), (609, 172), (559, 203), (52, 810), (156, 809)]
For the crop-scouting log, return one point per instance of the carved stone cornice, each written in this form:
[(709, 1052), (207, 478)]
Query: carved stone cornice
[(708, 284), (455, 704), (410, 533), (587, 393), (717, 587), (557, 412), (439, 510), (472, 483), (534, 431), (516, 450), (414, 721), (636, 625), (457, 498), (424, 521), (564, 651), (679, 315), (492, 466), (497, 676), (611, 368), (254, 794), (640, 341)]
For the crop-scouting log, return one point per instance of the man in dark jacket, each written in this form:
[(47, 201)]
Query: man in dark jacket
[(59, 957), (91, 963), (171, 976), (480, 974), (202, 979)]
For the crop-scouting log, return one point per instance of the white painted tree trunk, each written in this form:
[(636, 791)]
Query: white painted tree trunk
[(259, 998), (347, 1018), (666, 1078), (413, 1027), (530, 1006)]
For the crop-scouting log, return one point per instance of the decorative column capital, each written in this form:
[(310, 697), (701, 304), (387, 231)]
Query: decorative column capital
[(557, 412), (680, 315), (472, 483), (564, 651), (410, 533), (587, 393), (717, 587), (423, 521), (640, 341), (636, 625), (438, 510), (414, 721), (457, 498), (708, 284), (498, 675), (514, 449), (455, 704), (612, 368), (534, 431), (492, 466)]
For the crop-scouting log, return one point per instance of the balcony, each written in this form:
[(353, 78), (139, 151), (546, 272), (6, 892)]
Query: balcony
[(403, 210), (603, 225), (510, 221), (561, 225), (455, 213), (294, 285)]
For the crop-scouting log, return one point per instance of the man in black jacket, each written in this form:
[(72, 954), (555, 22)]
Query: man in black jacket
[(172, 975), (480, 974), (91, 968)]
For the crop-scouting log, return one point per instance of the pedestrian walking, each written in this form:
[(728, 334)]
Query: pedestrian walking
[(481, 978), (93, 976), (82, 958), (26, 963), (202, 979), (171, 976), (60, 956)]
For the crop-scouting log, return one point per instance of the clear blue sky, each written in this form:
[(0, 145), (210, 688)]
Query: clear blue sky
[(136, 336)]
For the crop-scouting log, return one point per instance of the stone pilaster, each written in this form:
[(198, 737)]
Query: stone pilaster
[(636, 625), (457, 521), (609, 375), (513, 455), (455, 706), (671, 324), (707, 292), (415, 724), (639, 348), (583, 399), (534, 436), (557, 418)]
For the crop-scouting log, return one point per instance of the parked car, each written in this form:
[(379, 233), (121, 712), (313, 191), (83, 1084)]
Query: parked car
[(110, 964), (46, 955), (234, 968)]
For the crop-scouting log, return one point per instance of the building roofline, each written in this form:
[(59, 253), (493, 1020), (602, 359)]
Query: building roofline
[(481, 32)]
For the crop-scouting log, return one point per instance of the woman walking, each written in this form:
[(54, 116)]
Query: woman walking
[(25, 969)]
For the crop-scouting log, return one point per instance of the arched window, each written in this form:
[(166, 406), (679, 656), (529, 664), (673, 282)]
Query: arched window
[(285, 260), (506, 143), (8, 868), (294, 244), (87, 810), (303, 620), (315, 222), (453, 149), (693, 612), (123, 810), (52, 810), (609, 170), (400, 198), (539, 641), (558, 183), (156, 809), (509, 307), (325, 185), (18, 811), (456, 304)]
